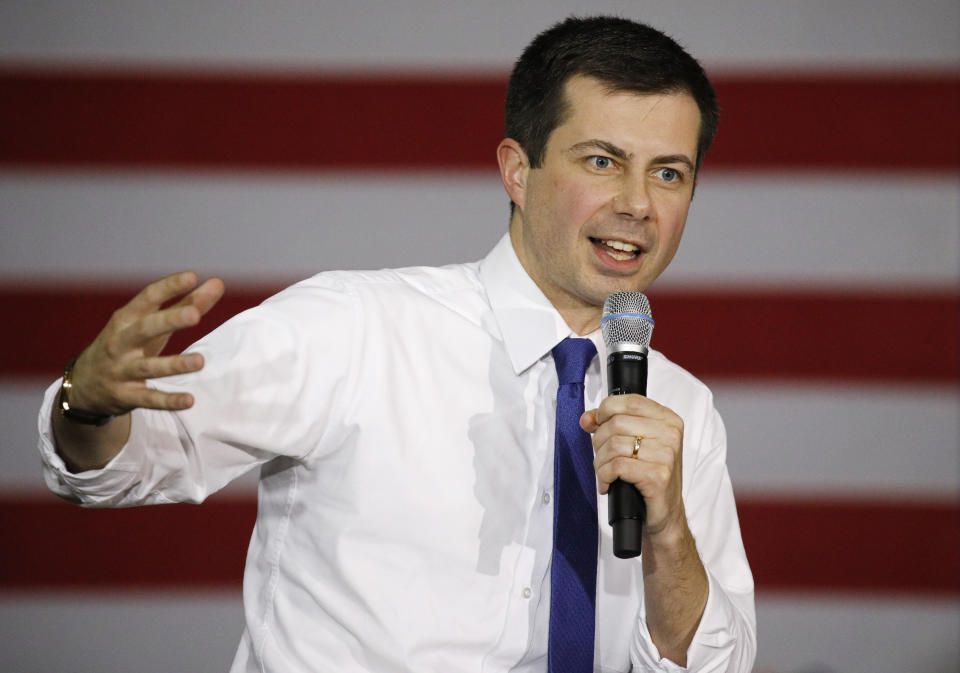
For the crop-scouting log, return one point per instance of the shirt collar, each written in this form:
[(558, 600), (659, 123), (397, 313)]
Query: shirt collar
[(528, 322)]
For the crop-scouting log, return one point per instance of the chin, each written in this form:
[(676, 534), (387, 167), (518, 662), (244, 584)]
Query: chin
[(626, 286)]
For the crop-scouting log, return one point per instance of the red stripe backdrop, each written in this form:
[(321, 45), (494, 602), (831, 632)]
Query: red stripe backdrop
[(793, 545), (772, 334), (287, 122)]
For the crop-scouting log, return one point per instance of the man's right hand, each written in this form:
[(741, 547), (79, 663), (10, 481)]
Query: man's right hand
[(109, 377)]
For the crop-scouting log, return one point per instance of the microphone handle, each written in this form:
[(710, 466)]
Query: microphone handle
[(626, 374)]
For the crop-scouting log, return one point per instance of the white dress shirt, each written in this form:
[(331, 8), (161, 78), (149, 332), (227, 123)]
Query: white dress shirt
[(403, 423)]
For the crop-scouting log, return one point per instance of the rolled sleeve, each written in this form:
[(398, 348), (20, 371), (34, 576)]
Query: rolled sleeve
[(726, 636), (725, 639), (124, 481)]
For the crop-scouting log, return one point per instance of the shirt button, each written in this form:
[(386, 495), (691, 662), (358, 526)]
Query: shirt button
[(526, 592), (546, 498)]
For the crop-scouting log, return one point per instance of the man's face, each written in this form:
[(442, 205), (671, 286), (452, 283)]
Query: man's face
[(606, 209)]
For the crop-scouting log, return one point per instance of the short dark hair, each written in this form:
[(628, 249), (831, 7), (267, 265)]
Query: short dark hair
[(623, 54)]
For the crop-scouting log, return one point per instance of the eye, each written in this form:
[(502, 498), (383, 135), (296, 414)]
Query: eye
[(600, 162), (670, 174)]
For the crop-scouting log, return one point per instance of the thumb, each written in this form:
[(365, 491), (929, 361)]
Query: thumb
[(588, 420)]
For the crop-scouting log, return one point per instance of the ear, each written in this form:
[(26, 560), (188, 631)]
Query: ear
[(513, 169)]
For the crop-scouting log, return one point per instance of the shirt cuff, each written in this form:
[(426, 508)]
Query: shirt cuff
[(106, 487)]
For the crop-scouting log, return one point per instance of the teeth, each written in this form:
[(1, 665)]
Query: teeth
[(619, 250), (620, 245)]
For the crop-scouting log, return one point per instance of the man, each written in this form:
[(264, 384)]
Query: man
[(404, 421)]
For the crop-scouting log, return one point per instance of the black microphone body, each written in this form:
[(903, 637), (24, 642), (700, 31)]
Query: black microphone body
[(627, 326), (626, 374)]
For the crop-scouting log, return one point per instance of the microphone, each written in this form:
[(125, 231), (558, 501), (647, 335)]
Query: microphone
[(627, 326)]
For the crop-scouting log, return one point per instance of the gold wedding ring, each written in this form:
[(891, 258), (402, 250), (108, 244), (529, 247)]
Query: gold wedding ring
[(636, 445)]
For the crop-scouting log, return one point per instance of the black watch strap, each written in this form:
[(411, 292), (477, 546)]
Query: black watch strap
[(70, 413)]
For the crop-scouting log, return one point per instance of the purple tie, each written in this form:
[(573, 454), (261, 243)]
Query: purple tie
[(573, 568)]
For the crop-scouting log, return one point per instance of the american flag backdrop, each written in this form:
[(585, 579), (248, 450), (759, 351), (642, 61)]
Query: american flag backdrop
[(816, 290)]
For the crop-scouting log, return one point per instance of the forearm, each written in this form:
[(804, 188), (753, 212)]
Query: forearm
[(87, 447), (676, 589)]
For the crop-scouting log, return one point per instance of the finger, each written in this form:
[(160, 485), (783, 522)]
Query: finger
[(143, 397), (203, 297), (187, 312), (588, 421), (610, 471), (631, 405), (156, 367), (207, 295), (158, 292), (628, 427), (153, 325), (647, 476), (647, 449)]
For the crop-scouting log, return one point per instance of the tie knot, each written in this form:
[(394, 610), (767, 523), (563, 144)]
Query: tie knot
[(572, 357)]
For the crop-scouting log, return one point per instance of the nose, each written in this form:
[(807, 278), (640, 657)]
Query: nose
[(633, 199)]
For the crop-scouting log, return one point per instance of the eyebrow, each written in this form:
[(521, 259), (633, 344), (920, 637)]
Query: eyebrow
[(621, 154), (597, 144), (675, 159)]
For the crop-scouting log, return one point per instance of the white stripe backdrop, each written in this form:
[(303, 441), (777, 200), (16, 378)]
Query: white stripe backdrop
[(851, 230)]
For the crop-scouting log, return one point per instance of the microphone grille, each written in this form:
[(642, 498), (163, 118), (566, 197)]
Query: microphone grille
[(627, 319)]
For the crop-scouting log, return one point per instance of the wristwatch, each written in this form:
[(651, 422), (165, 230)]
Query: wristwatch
[(70, 413)]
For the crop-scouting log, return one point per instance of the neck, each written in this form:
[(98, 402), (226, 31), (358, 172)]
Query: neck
[(580, 319)]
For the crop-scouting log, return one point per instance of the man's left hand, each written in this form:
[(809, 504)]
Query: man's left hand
[(655, 470)]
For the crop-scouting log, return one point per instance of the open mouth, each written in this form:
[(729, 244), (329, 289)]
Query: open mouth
[(619, 250)]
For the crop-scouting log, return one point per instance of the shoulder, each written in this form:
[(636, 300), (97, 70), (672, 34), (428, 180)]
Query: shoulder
[(380, 300), (391, 295), (386, 285)]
